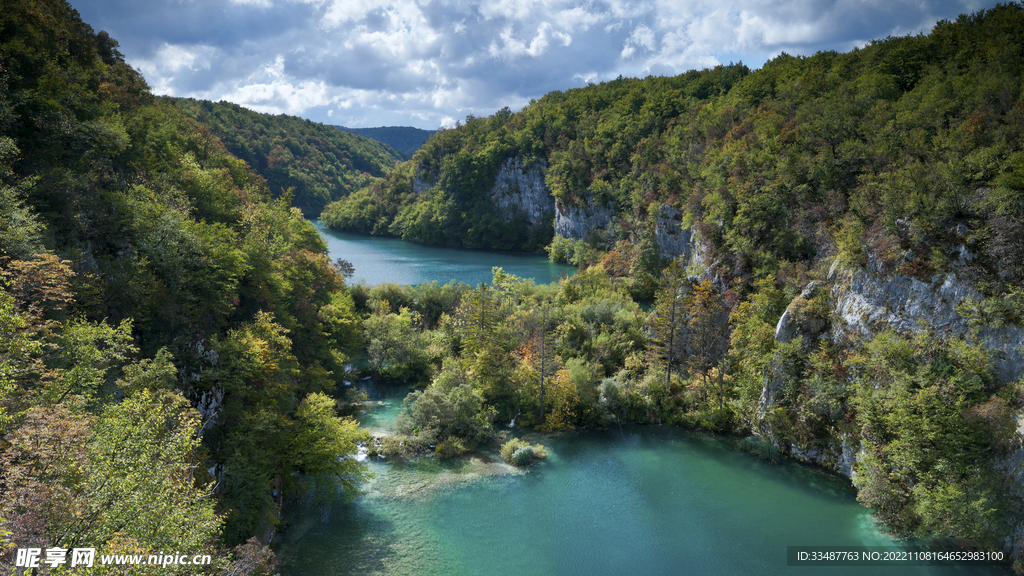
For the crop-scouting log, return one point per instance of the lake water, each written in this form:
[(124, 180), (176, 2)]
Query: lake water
[(644, 500), (378, 259)]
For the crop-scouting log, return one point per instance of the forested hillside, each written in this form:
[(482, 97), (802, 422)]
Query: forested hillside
[(405, 139), (320, 163), (145, 271)]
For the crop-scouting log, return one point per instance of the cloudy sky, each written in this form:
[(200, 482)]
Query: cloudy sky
[(426, 63)]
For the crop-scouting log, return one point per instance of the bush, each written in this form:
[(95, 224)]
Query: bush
[(521, 453), (524, 456), (450, 448), (509, 448)]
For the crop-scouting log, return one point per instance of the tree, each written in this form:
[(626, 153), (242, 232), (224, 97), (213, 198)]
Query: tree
[(479, 318), (127, 478), (394, 349), (668, 320), (539, 352), (147, 475), (708, 334), (323, 447)]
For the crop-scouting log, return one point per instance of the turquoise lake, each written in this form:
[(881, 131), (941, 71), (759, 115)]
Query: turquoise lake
[(643, 500), (378, 259)]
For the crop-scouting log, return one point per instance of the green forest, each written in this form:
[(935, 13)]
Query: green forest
[(174, 336), (317, 163), (880, 151)]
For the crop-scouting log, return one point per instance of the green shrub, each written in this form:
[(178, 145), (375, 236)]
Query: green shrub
[(509, 448), (521, 453), (524, 456), (450, 448)]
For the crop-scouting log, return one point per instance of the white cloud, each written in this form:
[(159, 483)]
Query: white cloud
[(342, 11), (427, 62)]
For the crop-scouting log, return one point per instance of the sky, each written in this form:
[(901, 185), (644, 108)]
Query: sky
[(429, 63)]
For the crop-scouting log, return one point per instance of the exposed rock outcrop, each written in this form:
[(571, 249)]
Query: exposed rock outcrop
[(868, 301), (420, 186), (673, 240), (519, 190), (840, 456), (799, 320), (577, 221)]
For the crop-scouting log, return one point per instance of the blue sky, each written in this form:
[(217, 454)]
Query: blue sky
[(427, 63)]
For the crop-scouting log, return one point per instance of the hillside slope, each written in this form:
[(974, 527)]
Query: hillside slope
[(834, 245), (885, 150), (321, 164)]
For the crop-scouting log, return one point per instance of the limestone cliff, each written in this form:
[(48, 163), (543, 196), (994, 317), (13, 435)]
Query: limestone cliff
[(519, 190), (578, 221), (673, 240), (864, 303), (868, 301)]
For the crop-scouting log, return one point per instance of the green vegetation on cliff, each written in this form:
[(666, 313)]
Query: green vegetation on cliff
[(319, 163), (903, 157)]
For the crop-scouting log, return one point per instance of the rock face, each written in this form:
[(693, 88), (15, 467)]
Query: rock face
[(420, 186), (673, 240), (795, 322), (1013, 467), (577, 221), (839, 456), (520, 191), (868, 301)]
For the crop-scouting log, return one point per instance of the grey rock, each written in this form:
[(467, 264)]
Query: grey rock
[(577, 221), (673, 240), (420, 186), (786, 328), (840, 456), (868, 301), (520, 191)]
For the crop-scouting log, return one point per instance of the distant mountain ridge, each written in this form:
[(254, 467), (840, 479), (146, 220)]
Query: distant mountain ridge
[(405, 139)]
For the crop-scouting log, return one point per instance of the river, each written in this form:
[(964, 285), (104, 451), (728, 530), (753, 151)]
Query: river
[(644, 500)]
